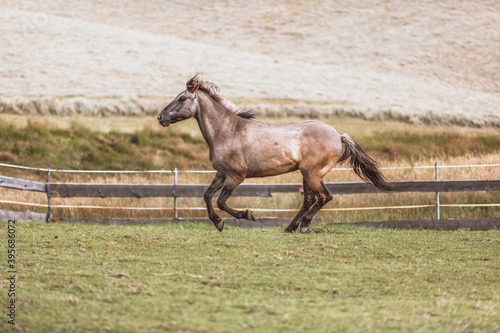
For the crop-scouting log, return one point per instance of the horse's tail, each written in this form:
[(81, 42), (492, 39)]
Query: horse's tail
[(363, 165)]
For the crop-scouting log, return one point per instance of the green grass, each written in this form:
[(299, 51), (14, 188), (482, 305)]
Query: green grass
[(140, 143), (191, 278), (77, 147)]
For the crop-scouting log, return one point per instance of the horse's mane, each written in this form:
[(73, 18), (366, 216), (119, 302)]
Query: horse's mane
[(213, 91)]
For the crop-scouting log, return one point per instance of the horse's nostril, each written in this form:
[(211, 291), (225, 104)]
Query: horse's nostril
[(159, 118)]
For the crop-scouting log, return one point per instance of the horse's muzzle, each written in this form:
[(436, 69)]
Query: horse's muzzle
[(163, 122)]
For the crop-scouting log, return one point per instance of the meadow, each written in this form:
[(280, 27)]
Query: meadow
[(191, 278)]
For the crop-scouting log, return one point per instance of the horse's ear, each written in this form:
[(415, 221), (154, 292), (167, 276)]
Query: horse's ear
[(193, 84)]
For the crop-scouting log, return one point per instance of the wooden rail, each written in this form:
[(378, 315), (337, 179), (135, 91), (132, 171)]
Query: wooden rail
[(22, 184), (69, 190), (73, 190)]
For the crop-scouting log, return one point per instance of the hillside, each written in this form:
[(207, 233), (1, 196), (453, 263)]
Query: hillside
[(425, 61)]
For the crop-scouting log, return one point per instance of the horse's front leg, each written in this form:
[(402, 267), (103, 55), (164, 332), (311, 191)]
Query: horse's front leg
[(209, 193), (230, 184)]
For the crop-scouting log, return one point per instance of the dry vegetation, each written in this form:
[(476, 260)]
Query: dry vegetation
[(126, 143)]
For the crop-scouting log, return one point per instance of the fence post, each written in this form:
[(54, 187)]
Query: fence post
[(437, 193), (49, 214), (175, 192)]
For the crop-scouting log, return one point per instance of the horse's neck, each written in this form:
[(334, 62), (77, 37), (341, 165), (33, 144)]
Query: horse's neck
[(213, 119)]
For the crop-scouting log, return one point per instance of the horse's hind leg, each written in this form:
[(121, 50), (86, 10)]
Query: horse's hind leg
[(230, 185), (323, 197), (209, 193), (309, 200)]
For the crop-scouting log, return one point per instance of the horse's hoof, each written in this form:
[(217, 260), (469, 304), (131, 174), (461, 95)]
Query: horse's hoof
[(304, 230), (220, 226), (250, 215), (288, 231)]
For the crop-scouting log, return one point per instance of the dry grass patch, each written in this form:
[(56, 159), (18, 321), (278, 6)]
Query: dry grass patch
[(139, 143)]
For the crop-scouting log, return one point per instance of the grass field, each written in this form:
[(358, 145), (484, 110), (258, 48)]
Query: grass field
[(191, 278)]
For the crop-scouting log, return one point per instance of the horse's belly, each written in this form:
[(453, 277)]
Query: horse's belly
[(275, 160)]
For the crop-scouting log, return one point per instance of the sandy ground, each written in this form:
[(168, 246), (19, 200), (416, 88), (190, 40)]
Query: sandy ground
[(417, 61)]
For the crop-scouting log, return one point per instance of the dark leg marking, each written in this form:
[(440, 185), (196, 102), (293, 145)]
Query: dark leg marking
[(209, 193), (324, 196), (229, 186), (309, 199)]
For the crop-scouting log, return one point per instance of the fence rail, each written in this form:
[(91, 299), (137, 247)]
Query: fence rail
[(75, 190), (68, 190), (22, 184), (415, 167)]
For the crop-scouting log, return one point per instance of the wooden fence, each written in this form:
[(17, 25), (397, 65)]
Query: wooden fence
[(73, 190)]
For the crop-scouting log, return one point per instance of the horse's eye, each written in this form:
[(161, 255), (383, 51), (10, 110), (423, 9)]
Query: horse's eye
[(182, 98)]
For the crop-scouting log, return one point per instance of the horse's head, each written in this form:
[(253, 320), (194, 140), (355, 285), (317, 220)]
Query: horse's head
[(184, 106)]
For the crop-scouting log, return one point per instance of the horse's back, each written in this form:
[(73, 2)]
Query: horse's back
[(283, 147), (308, 132)]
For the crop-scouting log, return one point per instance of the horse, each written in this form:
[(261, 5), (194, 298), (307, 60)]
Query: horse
[(241, 148)]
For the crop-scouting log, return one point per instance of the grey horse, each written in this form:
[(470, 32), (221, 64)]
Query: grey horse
[(241, 147)]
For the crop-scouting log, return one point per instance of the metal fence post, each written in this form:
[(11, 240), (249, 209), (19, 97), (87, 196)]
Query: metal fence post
[(49, 214), (437, 193), (175, 192)]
